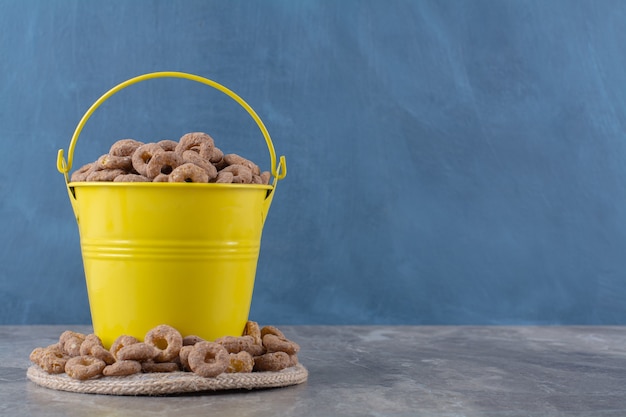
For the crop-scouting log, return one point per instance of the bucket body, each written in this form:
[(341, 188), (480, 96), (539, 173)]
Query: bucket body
[(166, 253)]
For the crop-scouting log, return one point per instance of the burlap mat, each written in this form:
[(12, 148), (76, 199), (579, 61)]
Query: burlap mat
[(168, 383)]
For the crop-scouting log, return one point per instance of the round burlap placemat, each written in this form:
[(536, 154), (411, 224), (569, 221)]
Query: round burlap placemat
[(168, 383)]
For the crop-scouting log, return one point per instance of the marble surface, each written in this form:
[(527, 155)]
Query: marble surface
[(377, 371)]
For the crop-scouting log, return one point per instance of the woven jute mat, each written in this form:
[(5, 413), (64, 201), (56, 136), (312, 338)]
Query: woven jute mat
[(168, 383)]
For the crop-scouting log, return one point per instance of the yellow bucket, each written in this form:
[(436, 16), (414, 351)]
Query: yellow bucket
[(183, 254)]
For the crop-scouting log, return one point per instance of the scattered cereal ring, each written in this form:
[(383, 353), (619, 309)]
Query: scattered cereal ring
[(92, 346), (183, 355), (188, 173), (104, 174), (241, 173), (150, 367), (69, 342), (84, 367), (194, 158), (208, 359), (114, 162), (234, 159), (131, 178), (272, 330), (163, 163), (196, 140), (167, 340), (240, 344), (124, 147), (224, 177), (142, 156), (272, 362), (167, 145), (120, 342), (137, 352), (192, 340), (81, 173), (293, 360), (122, 368), (240, 362), (274, 343), (51, 359), (161, 178), (252, 329)]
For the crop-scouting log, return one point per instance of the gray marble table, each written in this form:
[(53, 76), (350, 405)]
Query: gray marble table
[(376, 371)]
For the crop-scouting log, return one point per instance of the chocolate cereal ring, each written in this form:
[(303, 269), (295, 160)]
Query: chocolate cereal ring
[(167, 340), (271, 362), (189, 173), (273, 343), (224, 177), (150, 367), (161, 178), (183, 355), (241, 344), (131, 178), (194, 158), (192, 340), (168, 145), (217, 158), (50, 359), (265, 177), (208, 359), (199, 141), (142, 156), (122, 368), (120, 342), (252, 329), (241, 174), (84, 367), (124, 147), (234, 159), (104, 174), (69, 342), (163, 163), (137, 352), (272, 330), (114, 162), (92, 346), (241, 362), (81, 173)]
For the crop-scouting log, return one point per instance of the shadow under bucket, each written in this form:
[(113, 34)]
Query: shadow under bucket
[(183, 254)]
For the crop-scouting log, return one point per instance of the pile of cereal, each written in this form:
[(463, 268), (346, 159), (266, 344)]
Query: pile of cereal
[(194, 158), (164, 349)]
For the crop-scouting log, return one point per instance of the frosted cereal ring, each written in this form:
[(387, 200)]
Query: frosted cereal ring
[(199, 141), (50, 359), (124, 147), (217, 158), (188, 173), (81, 173), (114, 162), (69, 342), (272, 330), (273, 343), (92, 346), (142, 156), (183, 355), (84, 367), (208, 359), (121, 342), (137, 352), (272, 362), (131, 178), (224, 177), (240, 362), (161, 178), (252, 329), (150, 367), (265, 176), (168, 145), (163, 163), (194, 158), (192, 340), (241, 344), (167, 340), (105, 174), (234, 159), (241, 173), (122, 368)]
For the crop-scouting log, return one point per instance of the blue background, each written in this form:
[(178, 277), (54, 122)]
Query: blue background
[(450, 162)]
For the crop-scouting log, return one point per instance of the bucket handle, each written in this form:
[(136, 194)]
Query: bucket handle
[(64, 166)]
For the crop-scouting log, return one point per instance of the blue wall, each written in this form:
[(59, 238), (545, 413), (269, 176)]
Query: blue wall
[(449, 161)]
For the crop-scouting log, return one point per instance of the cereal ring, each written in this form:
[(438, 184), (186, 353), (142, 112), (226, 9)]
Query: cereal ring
[(234, 159), (150, 367), (122, 368), (69, 342), (252, 329), (293, 360), (194, 158), (183, 355), (50, 359), (208, 359), (84, 367), (256, 179), (274, 343), (92, 346), (131, 178), (196, 140), (189, 173), (142, 156), (272, 330), (240, 362), (191, 340), (167, 340), (168, 145), (217, 158), (161, 178), (224, 177), (121, 342), (105, 174), (81, 173), (163, 163), (114, 162), (124, 147), (240, 344), (137, 352), (241, 174), (272, 362), (265, 177)]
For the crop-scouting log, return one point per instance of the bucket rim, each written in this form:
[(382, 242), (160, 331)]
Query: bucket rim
[(103, 184)]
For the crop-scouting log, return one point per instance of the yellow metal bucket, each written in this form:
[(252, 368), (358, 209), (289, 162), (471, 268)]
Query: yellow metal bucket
[(184, 254)]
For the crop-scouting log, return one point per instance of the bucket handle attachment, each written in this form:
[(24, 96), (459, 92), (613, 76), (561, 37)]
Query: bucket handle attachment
[(64, 166)]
